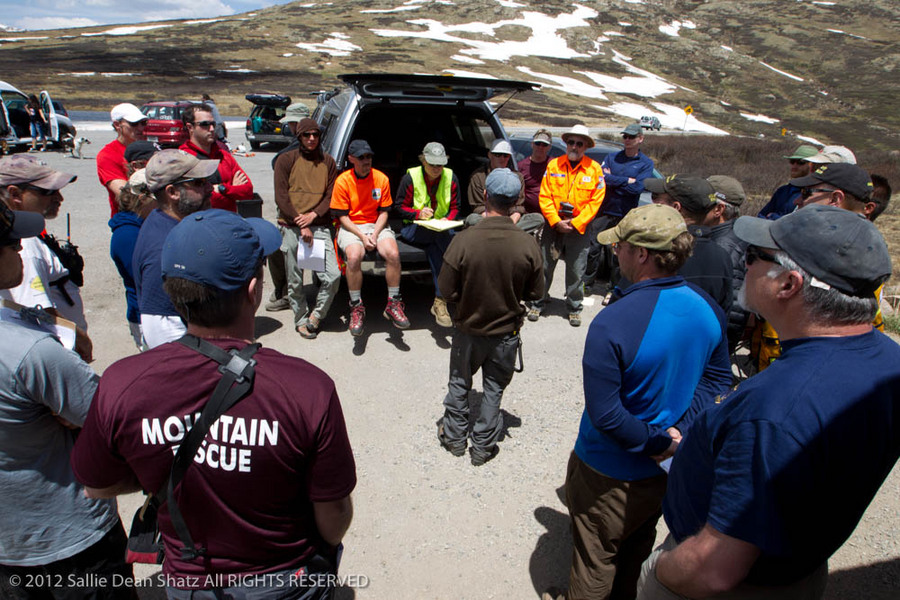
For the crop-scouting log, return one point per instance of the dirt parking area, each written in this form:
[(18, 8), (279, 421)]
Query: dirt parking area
[(427, 524)]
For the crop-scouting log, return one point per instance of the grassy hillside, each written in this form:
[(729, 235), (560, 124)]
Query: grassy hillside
[(848, 94)]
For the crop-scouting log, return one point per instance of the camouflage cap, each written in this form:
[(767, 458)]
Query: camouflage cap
[(652, 226)]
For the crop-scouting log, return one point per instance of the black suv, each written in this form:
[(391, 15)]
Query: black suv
[(264, 123), (399, 114)]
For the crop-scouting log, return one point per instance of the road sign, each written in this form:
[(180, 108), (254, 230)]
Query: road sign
[(688, 110)]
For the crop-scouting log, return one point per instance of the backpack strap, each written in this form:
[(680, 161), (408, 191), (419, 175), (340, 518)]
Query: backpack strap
[(237, 368)]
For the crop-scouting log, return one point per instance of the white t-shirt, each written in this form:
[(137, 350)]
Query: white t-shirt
[(41, 269)]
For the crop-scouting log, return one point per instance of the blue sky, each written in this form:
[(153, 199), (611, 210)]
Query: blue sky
[(54, 14)]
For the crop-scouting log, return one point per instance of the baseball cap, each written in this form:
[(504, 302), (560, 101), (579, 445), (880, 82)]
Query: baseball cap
[(652, 226), (834, 154), (168, 166), (359, 148), (835, 246), (435, 154), (503, 184), (218, 248), (727, 189), (501, 146), (694, 193), (849, 178), (803, 152), (295, 113), (542, 135), (633, 129), (138, 179), (17, 224), (583, 132), (127, 111), (141, 150), (20, 168)]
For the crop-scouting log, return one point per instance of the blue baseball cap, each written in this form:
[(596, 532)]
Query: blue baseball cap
[(218, 248), (504, 184)]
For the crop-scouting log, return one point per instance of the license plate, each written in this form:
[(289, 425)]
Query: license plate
[(152, 138)]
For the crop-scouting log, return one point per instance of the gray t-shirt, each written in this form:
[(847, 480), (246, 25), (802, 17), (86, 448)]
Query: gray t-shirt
[(45, 516)]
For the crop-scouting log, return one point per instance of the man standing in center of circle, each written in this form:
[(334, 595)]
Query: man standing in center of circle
[(304, 180), (571, 194), (362, 202), (488, 271)]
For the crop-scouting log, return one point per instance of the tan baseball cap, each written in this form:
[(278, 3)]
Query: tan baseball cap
[(652, 226), (19, 169), (168, 166)]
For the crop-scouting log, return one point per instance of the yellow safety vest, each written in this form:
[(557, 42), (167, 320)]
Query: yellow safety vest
[(420, 191)]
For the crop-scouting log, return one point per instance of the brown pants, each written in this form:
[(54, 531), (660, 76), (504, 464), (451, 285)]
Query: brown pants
[(613, 526)]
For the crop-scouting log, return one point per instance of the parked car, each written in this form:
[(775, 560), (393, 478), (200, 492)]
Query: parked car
[(650, 123), (399, 114), (15, 127), (264, 123), (602, 148), (164, 125)]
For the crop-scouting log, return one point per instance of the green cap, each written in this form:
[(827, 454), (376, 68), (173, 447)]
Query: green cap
[(803, 152), (652, 226)]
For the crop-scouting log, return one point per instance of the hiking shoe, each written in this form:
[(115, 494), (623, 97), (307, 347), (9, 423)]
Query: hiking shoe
[(276, 304), (457, 449), (554, 594), (441, 316), (357, 318), (394, 313), (306, 333), (479, 457), (534, 313), (575, 319)]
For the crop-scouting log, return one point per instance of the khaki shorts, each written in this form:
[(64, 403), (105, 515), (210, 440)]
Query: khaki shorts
[(345, 238)]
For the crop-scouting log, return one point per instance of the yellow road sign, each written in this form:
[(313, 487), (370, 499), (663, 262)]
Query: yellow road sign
[(688, 109)]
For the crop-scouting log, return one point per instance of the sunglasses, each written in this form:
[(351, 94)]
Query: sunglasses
[(628, 136), (576, 143), (310, 134), (205, 124), (807, 192), (798, 161), (755, 253), (499, 155), (41, 191), (192, 181), (540, 143)]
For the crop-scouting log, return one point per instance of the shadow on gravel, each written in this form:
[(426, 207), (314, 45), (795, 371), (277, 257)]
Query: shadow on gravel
[(552, 557), (880, 581), (266, 325)]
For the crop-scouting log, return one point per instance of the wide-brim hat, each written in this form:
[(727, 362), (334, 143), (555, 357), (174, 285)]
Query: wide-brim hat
[(582, 131)]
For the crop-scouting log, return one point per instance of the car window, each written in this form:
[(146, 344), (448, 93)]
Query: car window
[(150, 111), (166, 113)]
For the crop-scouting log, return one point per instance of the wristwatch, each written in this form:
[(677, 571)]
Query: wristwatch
[(220, 188)]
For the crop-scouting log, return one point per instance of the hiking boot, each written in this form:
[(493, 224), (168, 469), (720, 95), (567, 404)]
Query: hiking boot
[(394, 313), (479, 457), (575, 319), (275, 303), (534, 313), (310, 330), (441, 316), (357, 318), (456, 449)]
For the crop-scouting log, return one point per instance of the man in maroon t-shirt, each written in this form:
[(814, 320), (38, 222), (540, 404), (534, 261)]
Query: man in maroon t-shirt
[(533, 168), (268, 492), (129, 122)]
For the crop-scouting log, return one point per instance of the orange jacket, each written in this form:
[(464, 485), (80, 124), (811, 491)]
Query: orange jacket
[(583, 187)]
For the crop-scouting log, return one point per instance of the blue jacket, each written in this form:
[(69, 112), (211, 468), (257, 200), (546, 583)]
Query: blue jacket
[(125, 228), (147, 265), (782, 202), (622, 196), (652, 360)]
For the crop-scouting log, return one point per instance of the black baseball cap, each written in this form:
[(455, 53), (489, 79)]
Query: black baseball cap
[(359, 148), (694, 193), (836, 246), (16, 225), (844, 176), (141, 150)]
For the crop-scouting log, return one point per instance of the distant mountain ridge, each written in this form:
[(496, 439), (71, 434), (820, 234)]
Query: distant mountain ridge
[(826, 71)]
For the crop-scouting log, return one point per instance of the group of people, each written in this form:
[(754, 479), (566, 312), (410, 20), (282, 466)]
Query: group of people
[(737, 472)]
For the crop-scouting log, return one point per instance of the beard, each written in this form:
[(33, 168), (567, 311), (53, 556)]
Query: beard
[(742, 298), (188, 206)]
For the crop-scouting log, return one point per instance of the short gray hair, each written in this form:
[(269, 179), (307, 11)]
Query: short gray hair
[(731, 211), (829, 306)]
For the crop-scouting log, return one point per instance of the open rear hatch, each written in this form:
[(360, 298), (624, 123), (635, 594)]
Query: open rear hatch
[(387, 86)]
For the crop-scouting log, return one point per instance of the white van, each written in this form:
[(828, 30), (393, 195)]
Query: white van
[(15, 129)]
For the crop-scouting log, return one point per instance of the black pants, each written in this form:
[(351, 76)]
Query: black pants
[(96, 573), (601, 261)]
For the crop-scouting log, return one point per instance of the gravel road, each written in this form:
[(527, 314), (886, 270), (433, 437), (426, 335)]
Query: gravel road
[(427, 524)]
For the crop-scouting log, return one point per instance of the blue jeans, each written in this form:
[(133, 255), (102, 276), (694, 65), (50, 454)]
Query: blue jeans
[(434, 243), (37, 130)]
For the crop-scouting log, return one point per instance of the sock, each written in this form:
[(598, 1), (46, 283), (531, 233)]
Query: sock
[(394, 292), (355, 296)]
